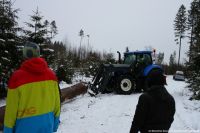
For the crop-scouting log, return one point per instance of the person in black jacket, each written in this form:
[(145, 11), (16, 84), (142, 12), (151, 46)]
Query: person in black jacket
[(156, 107)]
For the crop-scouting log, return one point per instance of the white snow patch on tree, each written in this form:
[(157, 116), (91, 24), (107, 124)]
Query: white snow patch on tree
[(2, 40), (11, 40), (4, 58), (48, 49)]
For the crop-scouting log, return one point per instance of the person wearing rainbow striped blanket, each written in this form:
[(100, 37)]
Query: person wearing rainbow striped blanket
[(33, 102)]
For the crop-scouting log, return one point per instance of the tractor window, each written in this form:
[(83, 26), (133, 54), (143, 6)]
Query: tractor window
[(144, 59), (129, 59), (147, 59)]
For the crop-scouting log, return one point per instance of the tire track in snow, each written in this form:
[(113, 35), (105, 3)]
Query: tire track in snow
[(186, 128), (179, 125)]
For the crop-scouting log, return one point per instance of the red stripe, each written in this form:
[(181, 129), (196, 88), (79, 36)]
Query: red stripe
[(21, 77)]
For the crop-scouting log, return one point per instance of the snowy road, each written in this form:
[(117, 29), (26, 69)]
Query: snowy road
[(187, 114), (112, 113)]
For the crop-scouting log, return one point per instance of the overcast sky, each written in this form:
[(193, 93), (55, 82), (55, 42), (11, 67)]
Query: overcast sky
[(112, 24)]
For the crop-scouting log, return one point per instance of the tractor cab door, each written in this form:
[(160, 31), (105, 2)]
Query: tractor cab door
[(143, 60)]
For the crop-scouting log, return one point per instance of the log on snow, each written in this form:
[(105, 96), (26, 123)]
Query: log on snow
[(66, 94), (2, 112), (73, 91)]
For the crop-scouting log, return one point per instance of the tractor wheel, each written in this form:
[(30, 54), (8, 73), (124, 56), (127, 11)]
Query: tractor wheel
[(125, 85)]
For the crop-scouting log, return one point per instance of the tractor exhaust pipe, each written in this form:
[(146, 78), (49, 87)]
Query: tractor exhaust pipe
[(119, 59)]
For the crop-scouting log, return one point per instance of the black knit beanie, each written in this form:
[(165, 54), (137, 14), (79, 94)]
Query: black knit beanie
[(156, 77)]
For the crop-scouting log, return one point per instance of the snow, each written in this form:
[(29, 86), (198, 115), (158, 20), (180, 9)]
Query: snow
[(20, 47), (48, 49), (11, 40), (43, 44), (4, 58), (2, 102), (187, 114), (77, 78), (2, 40), (112, 113), (64, 85), (108, 113)]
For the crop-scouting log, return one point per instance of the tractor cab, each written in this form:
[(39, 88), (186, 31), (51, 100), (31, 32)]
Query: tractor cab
[(138, 60), (143, 57)]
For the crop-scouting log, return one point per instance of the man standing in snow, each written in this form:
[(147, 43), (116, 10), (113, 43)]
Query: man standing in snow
[(156, 107), (33, 103)]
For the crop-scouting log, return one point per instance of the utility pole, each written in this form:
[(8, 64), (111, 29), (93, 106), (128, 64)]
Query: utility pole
[(179, 53), (81, 34), (88, 39)]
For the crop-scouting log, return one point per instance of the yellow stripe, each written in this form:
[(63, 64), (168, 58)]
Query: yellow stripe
[(11, 107), (37, 98)]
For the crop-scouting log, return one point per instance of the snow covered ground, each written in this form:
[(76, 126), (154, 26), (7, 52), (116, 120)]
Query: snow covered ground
[(2, 102), (187, 114), (112, 113)]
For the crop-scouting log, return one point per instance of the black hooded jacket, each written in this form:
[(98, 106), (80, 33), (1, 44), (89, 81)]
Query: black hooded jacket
[(155, 111)]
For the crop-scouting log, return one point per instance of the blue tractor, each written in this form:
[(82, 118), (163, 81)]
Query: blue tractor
[(125, 77)]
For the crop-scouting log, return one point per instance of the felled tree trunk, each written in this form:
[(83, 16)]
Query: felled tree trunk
[(2, 112), (71, 92), (66, 94)]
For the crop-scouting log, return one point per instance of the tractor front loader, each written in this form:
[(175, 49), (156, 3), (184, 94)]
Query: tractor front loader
[(126, 77)]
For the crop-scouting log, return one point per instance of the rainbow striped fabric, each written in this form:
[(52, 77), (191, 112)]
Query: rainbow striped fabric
[(33, 102)]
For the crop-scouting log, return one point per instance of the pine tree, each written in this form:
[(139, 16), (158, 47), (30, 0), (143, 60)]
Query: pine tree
[(9, 41), (46, 26), (194, 51), (62, 63), (38, 31), (172, 59), (108, 58), (160, 58), (53, 28), (180, 26), (41, 32), (93, 62), (192, 23), (172, 63)]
